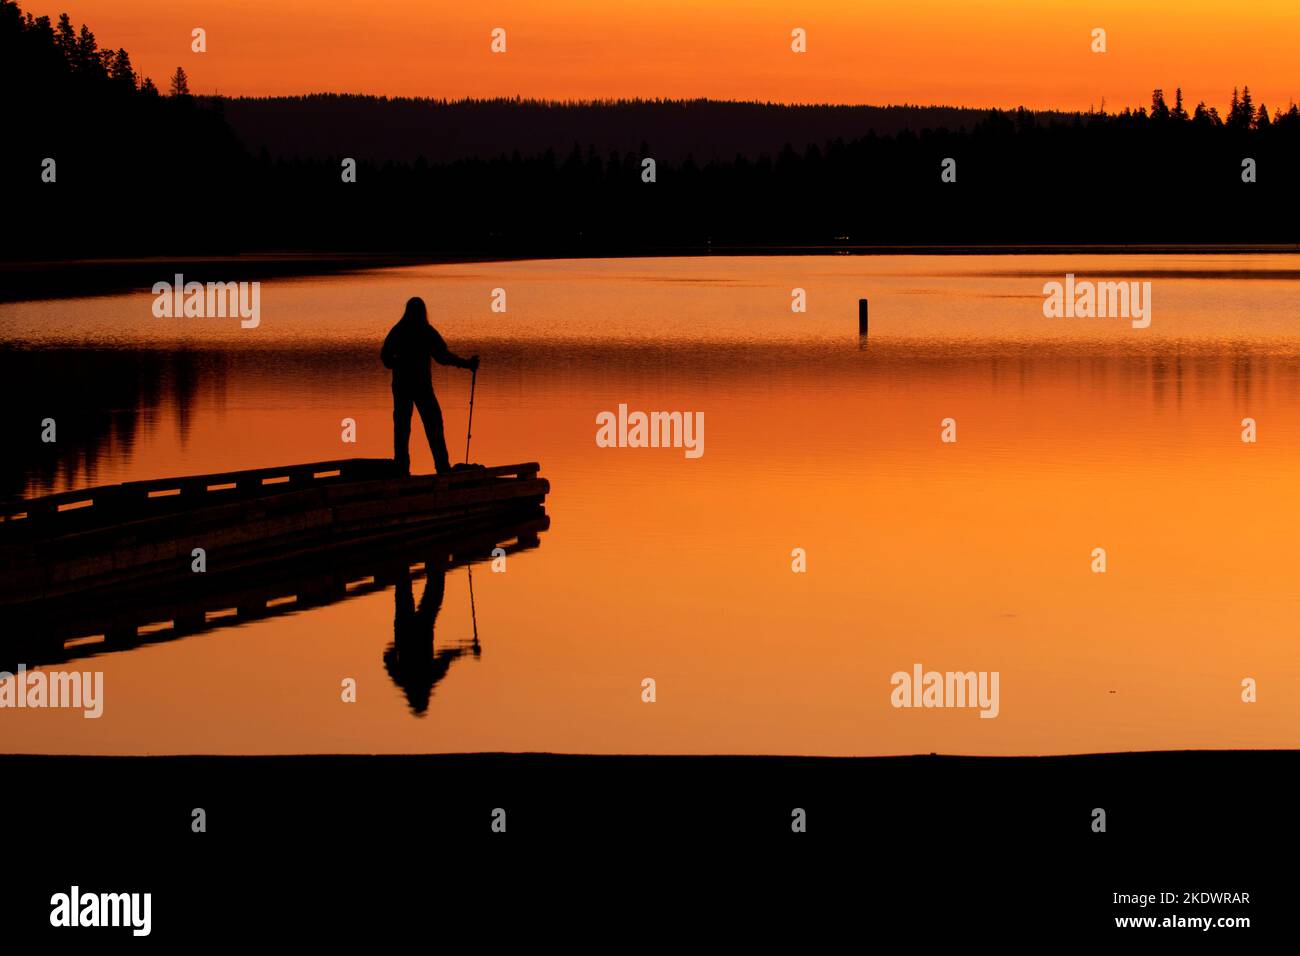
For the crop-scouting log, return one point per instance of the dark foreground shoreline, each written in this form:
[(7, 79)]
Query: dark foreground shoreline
[(1145, 788), (22, 280), (673, 848), (1148, 796)]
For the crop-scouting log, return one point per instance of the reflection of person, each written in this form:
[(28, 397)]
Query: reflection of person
[(410, 344), (410, 660)]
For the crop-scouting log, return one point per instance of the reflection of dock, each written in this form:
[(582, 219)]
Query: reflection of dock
[(122, 619), (70, 544)]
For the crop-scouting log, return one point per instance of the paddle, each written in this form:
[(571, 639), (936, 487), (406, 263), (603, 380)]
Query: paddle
[(469, 425)]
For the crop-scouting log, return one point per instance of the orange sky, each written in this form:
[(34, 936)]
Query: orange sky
[(957, 52)]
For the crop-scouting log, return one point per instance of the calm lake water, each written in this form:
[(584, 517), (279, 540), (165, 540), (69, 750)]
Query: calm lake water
[(1073, 434)]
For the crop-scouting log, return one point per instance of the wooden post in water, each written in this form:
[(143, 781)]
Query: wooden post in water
[(862, 321)]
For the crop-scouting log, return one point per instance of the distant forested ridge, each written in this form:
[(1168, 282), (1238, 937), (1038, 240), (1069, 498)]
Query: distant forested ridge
[(382, 129), (141, 170)]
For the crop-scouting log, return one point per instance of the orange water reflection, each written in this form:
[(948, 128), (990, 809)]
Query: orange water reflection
[(967, 556)]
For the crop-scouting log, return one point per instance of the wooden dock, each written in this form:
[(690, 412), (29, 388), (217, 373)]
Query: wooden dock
[(146, 531)]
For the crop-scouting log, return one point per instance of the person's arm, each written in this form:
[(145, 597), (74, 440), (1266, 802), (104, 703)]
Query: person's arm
[(386, 354), (444, 356)]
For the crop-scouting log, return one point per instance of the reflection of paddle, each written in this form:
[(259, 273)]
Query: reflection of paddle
[(468, 425), (472, 616)]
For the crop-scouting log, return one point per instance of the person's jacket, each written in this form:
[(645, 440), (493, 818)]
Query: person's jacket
[(408, 349)]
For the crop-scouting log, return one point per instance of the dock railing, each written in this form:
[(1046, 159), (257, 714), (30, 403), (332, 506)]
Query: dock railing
[(198, 490)]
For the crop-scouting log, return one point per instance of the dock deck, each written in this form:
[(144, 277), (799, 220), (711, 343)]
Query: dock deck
[(147, 531)]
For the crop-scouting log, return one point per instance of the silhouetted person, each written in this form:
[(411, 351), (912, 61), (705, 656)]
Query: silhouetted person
[(408, 349), (411, 661)]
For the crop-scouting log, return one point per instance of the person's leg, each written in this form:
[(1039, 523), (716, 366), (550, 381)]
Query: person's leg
[(431, 415), (402, 428), (435, 587)]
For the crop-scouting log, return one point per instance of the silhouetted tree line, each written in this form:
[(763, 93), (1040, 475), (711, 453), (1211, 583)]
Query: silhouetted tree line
[(1133, 176), (132, 168), (143, 173)]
